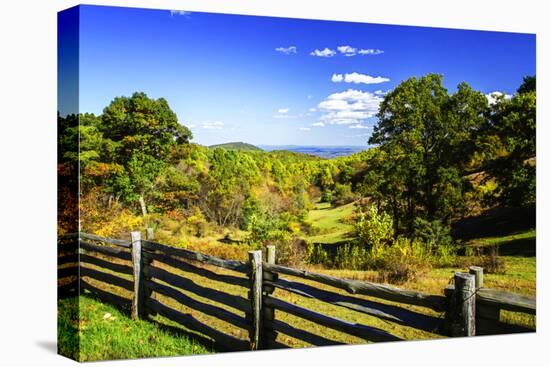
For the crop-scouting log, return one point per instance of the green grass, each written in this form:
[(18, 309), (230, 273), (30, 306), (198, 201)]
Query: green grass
[(330, 223), (517, 244), (123, 338), (106, 333)]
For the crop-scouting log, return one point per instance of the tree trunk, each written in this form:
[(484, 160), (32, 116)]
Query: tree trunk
[(143, 206)]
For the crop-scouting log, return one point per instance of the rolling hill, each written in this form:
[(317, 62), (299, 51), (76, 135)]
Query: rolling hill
[(235, 146)]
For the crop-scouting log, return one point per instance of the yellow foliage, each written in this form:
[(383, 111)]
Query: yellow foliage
[(121, 225)]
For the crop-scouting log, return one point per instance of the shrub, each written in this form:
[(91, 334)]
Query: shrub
[(401, 262), (326, 196), (342, 194), (437, 237), (373, 228), (198, 222), (352, 257), (281, 231), (316, 254), (489, 259), (433, 233)]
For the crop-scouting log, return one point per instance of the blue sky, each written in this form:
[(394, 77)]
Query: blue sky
[(276, 81)]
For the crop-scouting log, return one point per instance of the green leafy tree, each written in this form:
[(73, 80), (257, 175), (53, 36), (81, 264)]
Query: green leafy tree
[(512, 134), (142, 131), (425, 135)]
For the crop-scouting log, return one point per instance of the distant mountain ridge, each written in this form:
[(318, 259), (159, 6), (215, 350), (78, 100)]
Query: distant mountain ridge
[(318, 151), (238, 145)]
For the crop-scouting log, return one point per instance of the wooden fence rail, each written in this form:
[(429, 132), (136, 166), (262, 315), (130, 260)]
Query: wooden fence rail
[(135, 275)]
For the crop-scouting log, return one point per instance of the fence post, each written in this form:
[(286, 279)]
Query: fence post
[(138, 300), (255, 296), (269, 335), (149, 234), (145, 261), (464, 305), (477, 271)]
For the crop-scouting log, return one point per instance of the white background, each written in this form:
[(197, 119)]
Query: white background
[(28, 182)]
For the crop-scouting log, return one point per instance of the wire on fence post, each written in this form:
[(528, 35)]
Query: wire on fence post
[(464, 304)]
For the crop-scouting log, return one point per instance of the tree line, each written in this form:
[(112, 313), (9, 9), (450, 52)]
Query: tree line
[(435, 155)]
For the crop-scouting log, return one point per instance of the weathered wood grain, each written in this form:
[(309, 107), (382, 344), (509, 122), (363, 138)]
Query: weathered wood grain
[(138, 301), (223, 340), (120, 268), (503, 300), (477, 271), (237, 302), (107, 278), (110, 251), (206, 308), (366, 288), (234, 265), (269, 335), (362, 331), (507, 301), (387, 312), (255, 263), (463, 305), (112, 241), (303, 335), (185, 266)]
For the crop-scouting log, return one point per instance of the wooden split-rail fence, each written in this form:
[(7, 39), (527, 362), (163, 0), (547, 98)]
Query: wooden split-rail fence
[(138, 266)]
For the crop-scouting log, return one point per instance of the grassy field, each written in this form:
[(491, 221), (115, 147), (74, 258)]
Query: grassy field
[(106, 333), (331, 223), (106, 338), (519, 277)]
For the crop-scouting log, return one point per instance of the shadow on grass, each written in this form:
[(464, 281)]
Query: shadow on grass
[(521, 247), (68, 316), (495, 222)]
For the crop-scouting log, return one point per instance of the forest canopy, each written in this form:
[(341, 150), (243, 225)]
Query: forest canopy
[(435, 157)]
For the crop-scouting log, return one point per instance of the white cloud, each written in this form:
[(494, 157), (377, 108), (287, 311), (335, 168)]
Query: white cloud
[(370, 51), (305, 128), (380, 93), (337, 78), (327, 52), (350, 107), (347, 50), (213, 125), (312, 109), (287, 50), (283, 110), (320, 124), (358, 78), (179, 12), (493, 96), (359, 126)]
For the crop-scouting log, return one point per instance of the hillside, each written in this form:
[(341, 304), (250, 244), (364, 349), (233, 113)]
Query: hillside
[(235, 146)]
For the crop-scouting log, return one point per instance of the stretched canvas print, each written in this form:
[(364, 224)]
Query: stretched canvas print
[(241, 183)]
